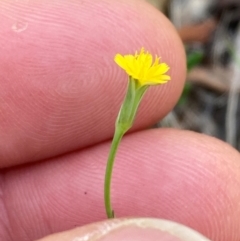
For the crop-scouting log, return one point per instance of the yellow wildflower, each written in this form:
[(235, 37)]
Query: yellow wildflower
[(143, 72), (142, 68)]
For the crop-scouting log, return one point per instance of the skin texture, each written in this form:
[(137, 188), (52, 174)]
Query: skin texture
[(59, 97), (59, 84), (141, 229)]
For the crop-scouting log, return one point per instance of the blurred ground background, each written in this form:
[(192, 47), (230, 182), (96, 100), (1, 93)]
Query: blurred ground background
[(210, 31)]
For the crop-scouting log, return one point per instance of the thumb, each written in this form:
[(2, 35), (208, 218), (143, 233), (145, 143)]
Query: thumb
[(139, 229)]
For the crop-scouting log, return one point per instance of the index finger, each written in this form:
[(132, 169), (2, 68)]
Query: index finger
[(60, 89)]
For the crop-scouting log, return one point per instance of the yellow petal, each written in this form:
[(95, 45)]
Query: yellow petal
[(141, 67), (162, 68), (120, 61)]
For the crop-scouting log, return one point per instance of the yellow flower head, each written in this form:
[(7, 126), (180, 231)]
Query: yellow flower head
[(142, 68)]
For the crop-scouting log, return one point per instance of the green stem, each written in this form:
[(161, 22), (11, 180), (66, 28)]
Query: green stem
[(119, 132), (123, 123)]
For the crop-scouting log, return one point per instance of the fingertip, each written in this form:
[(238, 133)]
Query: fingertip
[(60, 88), (177, 175), (187, 177), (138, 229)]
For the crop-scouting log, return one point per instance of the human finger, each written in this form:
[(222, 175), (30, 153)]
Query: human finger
[(176, 175), (60, 88), (129, 229)]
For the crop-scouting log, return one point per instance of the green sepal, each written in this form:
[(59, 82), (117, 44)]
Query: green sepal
[(130, 104)]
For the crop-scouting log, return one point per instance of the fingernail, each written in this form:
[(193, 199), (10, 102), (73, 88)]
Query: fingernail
[(142, 229), (133, 233)]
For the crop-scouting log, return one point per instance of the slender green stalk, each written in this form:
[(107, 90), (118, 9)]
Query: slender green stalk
[(124, 122), (119, 132)]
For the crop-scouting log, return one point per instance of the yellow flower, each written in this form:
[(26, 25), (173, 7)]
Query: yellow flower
[(142, 68)]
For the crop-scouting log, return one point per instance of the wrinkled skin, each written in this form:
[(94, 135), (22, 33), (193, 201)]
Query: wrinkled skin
[(60, 93)]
